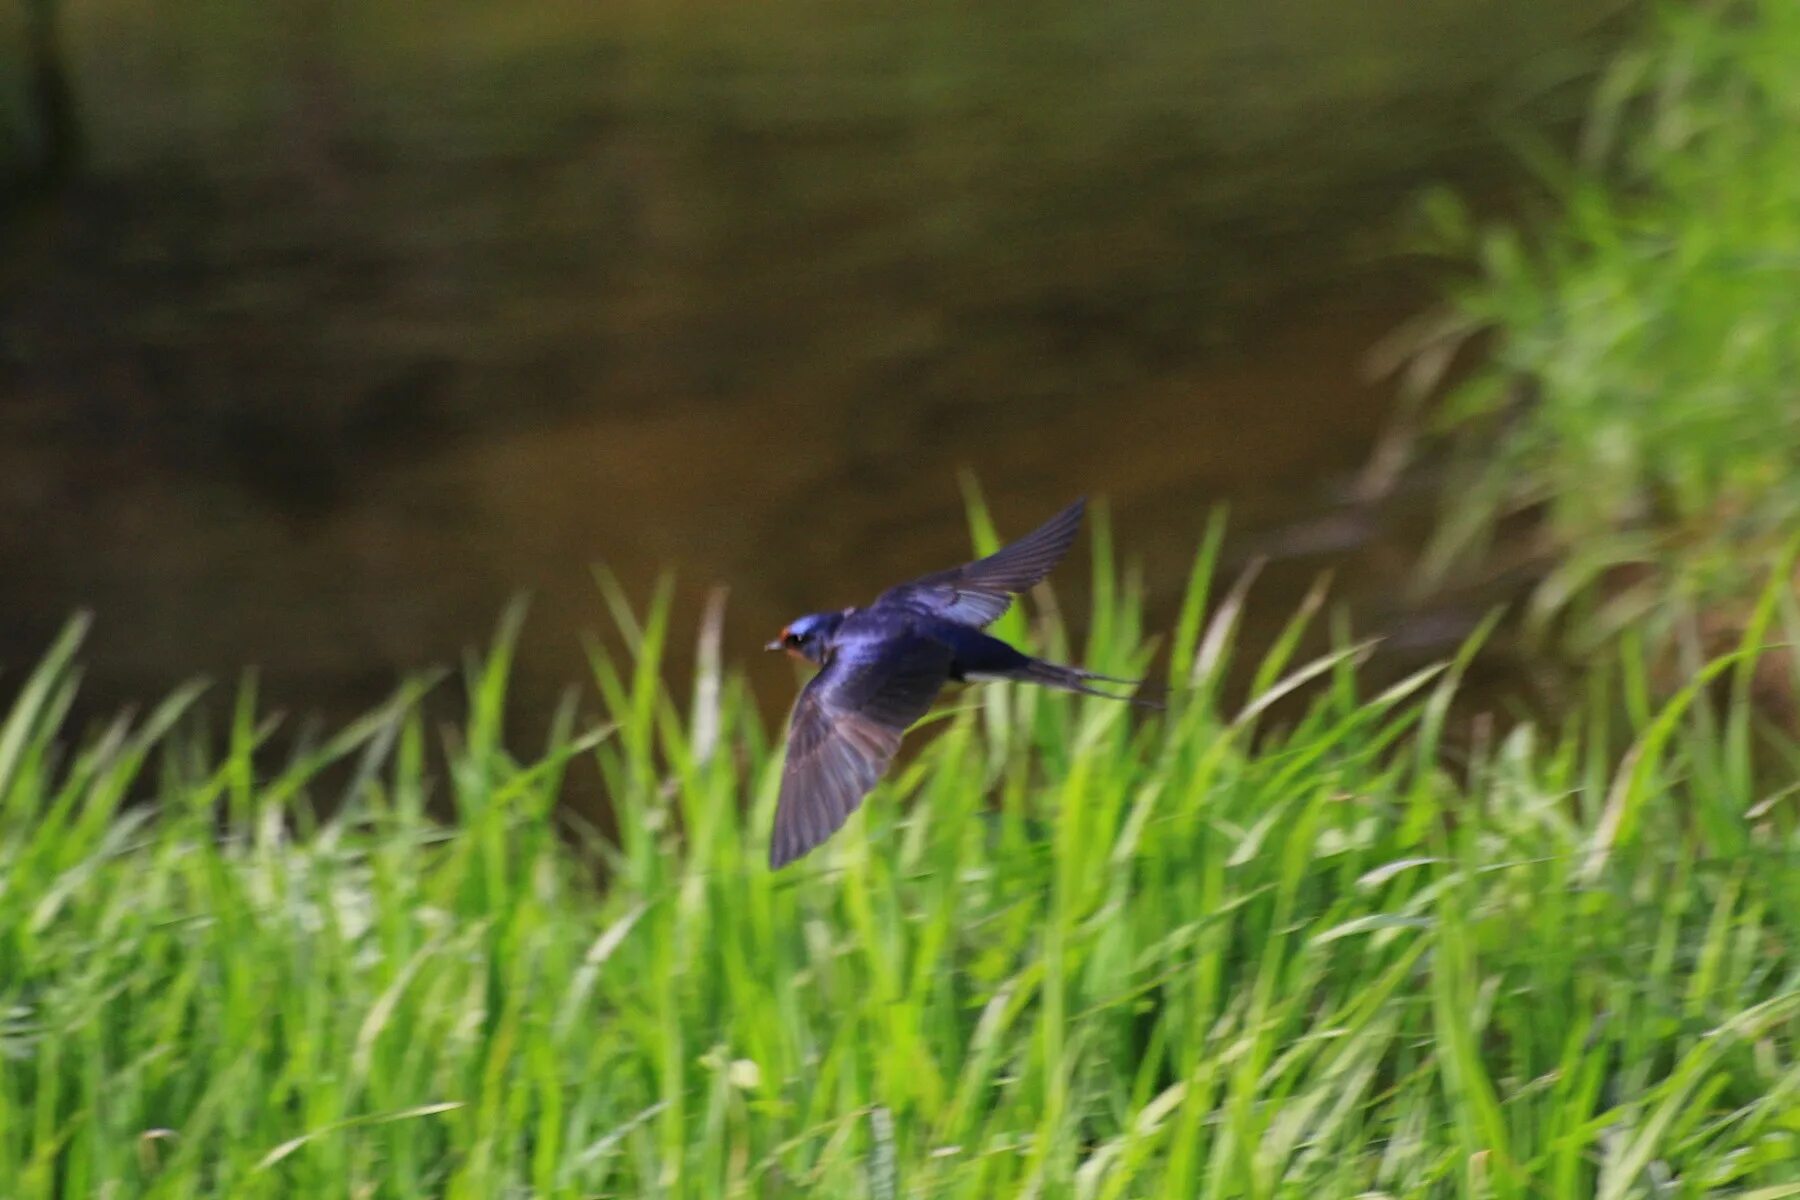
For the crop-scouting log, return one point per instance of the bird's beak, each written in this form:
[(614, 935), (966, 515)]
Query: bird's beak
[(774, 645)]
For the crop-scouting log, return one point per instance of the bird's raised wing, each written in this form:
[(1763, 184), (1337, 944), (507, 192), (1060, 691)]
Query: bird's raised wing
[(844, 732), (978, 593)]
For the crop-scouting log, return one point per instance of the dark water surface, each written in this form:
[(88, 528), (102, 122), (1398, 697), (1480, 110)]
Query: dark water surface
[(362, 321)]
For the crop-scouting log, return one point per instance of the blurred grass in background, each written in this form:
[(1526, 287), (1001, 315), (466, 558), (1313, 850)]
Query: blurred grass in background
[(1641, 398), (1067, 951)]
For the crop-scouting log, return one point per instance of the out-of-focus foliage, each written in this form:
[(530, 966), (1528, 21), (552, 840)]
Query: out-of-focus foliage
[(1643, 393)]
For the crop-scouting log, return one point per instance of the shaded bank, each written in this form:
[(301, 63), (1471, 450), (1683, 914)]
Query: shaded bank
[(358, 327)]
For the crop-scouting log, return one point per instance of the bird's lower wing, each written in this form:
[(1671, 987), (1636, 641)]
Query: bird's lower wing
[(844, 732)]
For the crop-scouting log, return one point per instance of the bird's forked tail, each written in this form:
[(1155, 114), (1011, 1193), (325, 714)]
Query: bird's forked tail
[(1074, 679)]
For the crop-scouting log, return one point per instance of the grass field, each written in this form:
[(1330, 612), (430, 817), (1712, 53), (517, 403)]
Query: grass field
[(1068, 950)]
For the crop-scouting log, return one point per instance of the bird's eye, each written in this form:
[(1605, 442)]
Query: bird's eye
[(796, 639)]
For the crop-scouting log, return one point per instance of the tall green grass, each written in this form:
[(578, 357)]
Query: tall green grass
[(1067, 950), (1641, 398)]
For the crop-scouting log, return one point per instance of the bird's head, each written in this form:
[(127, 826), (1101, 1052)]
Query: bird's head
[(808, 637)]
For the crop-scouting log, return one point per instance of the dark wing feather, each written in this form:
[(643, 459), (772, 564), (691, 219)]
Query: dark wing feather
[(844, 732), (978, 593)]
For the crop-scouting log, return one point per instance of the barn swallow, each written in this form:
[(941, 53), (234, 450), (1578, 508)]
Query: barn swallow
[(883, 665)]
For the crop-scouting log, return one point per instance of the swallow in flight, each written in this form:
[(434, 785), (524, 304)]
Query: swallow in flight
[(883, 665)]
